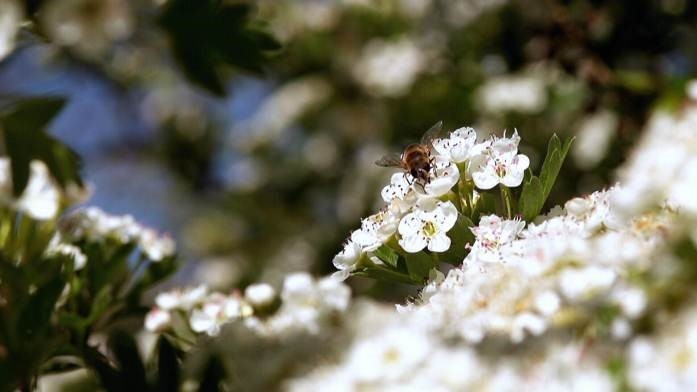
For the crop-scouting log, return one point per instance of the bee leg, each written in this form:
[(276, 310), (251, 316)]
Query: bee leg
[(407, 178)]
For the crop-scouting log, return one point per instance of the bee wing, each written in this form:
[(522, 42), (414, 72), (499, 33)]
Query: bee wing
[(435, 132), (389, 160)]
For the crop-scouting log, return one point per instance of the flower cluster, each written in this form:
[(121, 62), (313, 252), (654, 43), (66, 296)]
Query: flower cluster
[(94, 225), (304, 303), (574, 271), (599, 290), (419, 214)]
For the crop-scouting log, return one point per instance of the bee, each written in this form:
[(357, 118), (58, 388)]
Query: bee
[(416, 158)]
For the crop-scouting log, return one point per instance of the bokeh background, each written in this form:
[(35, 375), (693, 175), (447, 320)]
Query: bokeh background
[(258, 157)]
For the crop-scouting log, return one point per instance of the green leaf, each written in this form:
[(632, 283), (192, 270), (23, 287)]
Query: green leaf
[(556, 154), (531, 199), (23, 126), (536, 189), (387, 255), (485, 205), (419, 265), (206, 34), (35, 319)]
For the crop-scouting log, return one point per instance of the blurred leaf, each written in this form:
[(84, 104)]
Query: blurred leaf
[(110, 378), (167, 366), (132, 369), (207, 33), (23, 125), (36, 315), (212, 376)]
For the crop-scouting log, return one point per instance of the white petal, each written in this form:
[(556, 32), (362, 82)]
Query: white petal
[(442, 147), (200, 321), (413, 243), (410, 224), (448, 216), (485, 178), (439, 243), (513, 178)]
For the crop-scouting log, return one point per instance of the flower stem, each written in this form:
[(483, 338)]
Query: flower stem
[(506, 199)]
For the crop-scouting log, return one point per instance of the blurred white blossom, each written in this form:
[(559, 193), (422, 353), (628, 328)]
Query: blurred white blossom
[(10, 19), (41, 198), (593, 138), (88, 26), (523, 94), (389, 67)]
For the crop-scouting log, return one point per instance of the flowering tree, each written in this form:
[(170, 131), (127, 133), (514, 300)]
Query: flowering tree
[(482, 282)]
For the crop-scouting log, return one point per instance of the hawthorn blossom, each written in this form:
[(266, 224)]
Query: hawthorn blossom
[(426, 227), (399, 192), (443, 176), (347, 260), (494, 239), (497, 161), (157, 320), (306, 304), (216, 311), (56, 247), (41, 198), (89, 26), (456, 148), (156, 247), (10, 20), (184, 299), (376, 229), (391, 355), (259, 294)]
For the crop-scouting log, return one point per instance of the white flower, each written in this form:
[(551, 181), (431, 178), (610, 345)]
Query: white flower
[(182, 298), (593, 138), (41, 198), (347, 260), (390, 356), (376, 229), (305, 304), (576, 284), (457, 146), (157, 320), (527, 322), (215, 312), (497, 161), (259, 294), (547, 302), (10, 19), (400, 192), (156, 247), (93, 224), (389, 68), (494, 239), (426, 227), (72, 251), (525, 94), (442, 177), (89, 26)]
